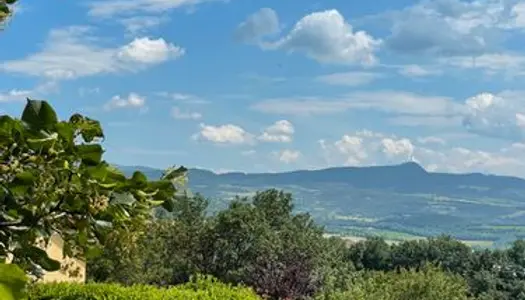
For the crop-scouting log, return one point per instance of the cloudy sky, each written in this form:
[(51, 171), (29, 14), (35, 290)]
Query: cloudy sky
[(279, 85)]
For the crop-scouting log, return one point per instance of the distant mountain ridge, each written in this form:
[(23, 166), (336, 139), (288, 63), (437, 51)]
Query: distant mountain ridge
[(403, 199)]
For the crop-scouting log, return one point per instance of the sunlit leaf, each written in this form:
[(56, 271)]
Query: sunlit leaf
[(39, 114)]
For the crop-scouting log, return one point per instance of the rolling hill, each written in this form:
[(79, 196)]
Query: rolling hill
[(397, 202)]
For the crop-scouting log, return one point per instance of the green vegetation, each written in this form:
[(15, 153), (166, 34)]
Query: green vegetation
[(202, 288), (53, 180), (143, 239), (5, 10)]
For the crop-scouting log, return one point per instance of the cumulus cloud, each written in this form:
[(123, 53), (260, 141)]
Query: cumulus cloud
[(397, 148), (349, 78), (177, 113), (224, 134), (324, 36), (288, 156), (149, 51), (358, 149), (72, 52), (281, 131), (133, 100), (258, 25), (496, 115)]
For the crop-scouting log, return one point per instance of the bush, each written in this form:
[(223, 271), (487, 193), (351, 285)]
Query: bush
[(428, 284), (202, 288)]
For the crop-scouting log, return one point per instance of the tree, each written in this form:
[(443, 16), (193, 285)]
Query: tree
[(53, 180), (167, 253), (5, 10), (261, 243), (429, 283)]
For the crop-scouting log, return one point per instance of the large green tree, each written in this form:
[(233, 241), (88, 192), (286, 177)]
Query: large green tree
[(53, 180)]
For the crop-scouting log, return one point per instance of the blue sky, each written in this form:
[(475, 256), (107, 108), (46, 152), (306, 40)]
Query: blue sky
[(266, 86)]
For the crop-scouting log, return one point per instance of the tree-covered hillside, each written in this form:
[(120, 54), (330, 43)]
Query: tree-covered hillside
[(395, 202)]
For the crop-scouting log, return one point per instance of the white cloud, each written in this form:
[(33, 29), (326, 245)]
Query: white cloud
[(352, 147), (22, 94), (14, 95), (496, 115), (258, 25), (288, 156), (465, 27), (419, 71), (148, 51), (281, 131), (178, 114), (326, 37), (513, 64), (109, 8), (72, 52), (182, 97), (138, 24), (133, 100), (517, 19), (380, 149), (349, 78), (224, 134), (397, 148), (396, 102)]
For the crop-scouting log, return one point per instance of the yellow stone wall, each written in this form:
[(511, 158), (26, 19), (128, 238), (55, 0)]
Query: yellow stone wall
[(76, 269)]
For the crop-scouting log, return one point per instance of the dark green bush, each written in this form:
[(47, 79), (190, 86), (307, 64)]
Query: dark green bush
[(203, 288)]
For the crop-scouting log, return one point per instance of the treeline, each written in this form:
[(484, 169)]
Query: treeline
[(261, 243)]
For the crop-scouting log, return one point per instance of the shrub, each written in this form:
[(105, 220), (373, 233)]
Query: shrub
[(428, 284), (202, 288)]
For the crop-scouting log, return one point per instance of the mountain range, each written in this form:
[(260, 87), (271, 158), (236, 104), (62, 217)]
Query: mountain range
[(396, 202)]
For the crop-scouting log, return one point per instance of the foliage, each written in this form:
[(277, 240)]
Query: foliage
[(202, 288), (12, 282), (260, 242), (427, 284), (256, 241), (5, 10), (53, 180), (164, 254)]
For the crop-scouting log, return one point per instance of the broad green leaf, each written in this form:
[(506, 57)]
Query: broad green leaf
[(40, 257), (12, 282), (168, 205), (115, 174), (90, 154), (24, 178), (66, 132), (139, 178), (39, 114)]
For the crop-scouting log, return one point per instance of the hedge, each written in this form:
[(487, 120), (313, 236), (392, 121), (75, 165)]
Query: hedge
[(204, 288)]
